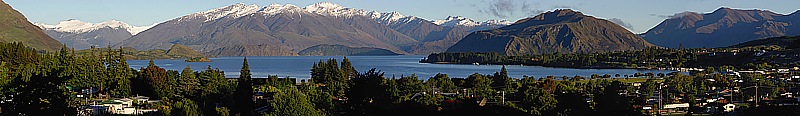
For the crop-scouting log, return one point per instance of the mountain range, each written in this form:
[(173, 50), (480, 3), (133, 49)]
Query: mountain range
[(559, 31), (16, 28), (288, 29), (721, 28), (83, 35)]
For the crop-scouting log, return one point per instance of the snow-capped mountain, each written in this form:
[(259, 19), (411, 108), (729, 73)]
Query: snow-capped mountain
[(287, 29), (456, 20), (77, 26), (451, 21), (83, 35), (322, 8)]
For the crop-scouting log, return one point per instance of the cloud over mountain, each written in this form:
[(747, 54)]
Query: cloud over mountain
[(622, 23)]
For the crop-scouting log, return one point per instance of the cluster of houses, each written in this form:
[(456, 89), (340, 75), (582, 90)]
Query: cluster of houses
[(720, 100), (121, 106)]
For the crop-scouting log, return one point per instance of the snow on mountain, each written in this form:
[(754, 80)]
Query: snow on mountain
[(497, 22), (463, 21), (331, 9), (328, 9), (234, 11), (77, 26), (456, 20), (278, 9)]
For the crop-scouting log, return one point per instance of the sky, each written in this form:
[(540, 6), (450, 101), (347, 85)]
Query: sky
[(636, 15)]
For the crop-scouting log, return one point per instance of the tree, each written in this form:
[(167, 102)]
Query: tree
[(348, 71), (5, 75), (291, 102), (122, 77), (393, 90), (443, 82), (481, 85), (214, 90), (323, 101), (188, 82), (410, 85), (39, 91), (367, 93), (153, 81), (185, 107), (501, 81), (538, 101), (244, 92), (329, 75), (611, 102)]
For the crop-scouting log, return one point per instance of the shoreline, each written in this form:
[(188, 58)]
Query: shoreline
[(585, 67)]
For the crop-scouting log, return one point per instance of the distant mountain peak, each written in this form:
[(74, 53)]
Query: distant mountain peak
[(553, 17), (558, 31), (463, 21), (235, 10), (324, 6), (724, 26), (78, 26), (559, 13)]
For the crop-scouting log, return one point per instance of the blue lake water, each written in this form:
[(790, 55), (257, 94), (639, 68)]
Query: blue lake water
[(300, 67)]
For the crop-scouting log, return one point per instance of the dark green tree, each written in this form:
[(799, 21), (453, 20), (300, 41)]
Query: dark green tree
[(185, 107), (442, 82), (348, 71), (292, 102), (244, 92), (366, 93), (189, 83), (393, 90), (538, 101), (481, 85), (410, 85)]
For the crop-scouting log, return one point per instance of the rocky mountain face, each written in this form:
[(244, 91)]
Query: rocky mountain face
[(16, 28), (721, 28), (563, 31), (83, 35), (287, 29)]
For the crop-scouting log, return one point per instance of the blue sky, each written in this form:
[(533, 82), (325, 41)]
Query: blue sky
[(639, 14)]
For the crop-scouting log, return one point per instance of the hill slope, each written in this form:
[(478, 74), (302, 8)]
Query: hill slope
[(786, 41), (721, 28), (340, 50), (16, 28), (563, 31)]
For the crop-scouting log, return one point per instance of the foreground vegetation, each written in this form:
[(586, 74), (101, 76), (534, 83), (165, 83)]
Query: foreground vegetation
[(45, 84)]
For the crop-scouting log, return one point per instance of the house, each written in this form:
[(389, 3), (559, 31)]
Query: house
[(729, 107), (124, 106)]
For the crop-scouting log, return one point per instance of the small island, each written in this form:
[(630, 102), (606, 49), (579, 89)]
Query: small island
[(198, 59)]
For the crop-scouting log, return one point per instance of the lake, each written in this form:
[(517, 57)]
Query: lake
[(300, 67)]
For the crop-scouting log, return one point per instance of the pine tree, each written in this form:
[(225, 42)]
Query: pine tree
[(348, 71), (392, 90), (188, 82), (244, 92), (151, 63), (124, 74)]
